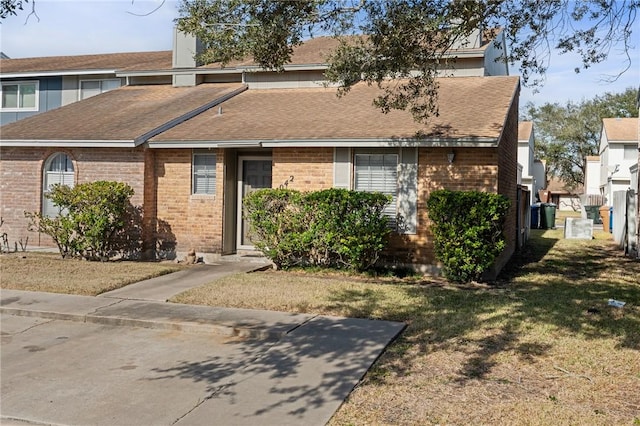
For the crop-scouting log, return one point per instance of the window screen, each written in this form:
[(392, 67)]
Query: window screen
[(378, 173), (204, 174)]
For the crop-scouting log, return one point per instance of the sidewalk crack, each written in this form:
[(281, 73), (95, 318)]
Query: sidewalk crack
[(95, 311)]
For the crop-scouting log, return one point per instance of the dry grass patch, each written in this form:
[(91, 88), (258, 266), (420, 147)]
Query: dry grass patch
[(540, 347), (50, 273)]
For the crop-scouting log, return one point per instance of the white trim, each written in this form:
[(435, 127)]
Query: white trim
[(330, 143), (101, 80), (203, 144), (55, 73), (36, 106), (98, 143), (239, 230), (45, 180), (382, 143)]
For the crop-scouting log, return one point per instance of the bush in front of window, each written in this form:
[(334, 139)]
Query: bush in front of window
[(334, 228), (92, 219), (468, 231)]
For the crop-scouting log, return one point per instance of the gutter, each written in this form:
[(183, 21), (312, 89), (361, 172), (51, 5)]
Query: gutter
[(35, 74), (65, 143), (330, 143)]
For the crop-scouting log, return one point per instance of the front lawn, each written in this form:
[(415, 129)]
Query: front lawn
[(540, 347), (48, 272)]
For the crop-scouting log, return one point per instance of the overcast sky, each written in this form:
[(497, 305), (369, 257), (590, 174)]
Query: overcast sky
[(72, 27)]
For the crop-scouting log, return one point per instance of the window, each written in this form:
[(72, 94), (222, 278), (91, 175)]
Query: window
[(630, 152), (58, 169), (89, 88), (378, 173), (20, 96), (204, 173)]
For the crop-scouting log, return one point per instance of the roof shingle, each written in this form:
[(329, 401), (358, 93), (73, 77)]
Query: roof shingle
[(138, 61), (621, 129), (470, 107), (122, 114)]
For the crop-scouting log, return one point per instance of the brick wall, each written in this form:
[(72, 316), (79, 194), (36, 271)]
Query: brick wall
[(472, 169), (508, 180), (21, 170), (311, 168), (189, 221)]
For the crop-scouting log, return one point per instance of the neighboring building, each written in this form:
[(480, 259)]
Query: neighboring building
[(618, 152), (192, 141), (564, 197), (526, 159), (592, 175)]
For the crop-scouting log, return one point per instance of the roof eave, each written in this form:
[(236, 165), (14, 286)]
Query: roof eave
[(62, 143), (34, 74), (473, 142)]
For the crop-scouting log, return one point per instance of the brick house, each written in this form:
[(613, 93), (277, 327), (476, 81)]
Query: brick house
[(192, 140)]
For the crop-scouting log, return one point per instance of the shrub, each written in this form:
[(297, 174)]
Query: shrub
[(91, 216), (331, 228), (276, 221), (468, 231)]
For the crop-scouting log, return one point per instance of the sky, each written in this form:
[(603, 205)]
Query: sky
[(74, 27)]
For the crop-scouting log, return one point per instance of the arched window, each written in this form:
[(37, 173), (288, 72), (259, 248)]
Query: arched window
[(57, 169)]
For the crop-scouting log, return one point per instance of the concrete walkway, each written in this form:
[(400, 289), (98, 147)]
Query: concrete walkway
[(164, 287), (230, 367)]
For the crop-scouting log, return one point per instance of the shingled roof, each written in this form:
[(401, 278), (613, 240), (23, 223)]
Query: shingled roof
[(621, 129), (314, 51), (471, 109), (524, 130), (125, 116), (138, 61)]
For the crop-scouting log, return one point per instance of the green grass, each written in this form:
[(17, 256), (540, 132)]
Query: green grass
[(48, 272), (541, 346)]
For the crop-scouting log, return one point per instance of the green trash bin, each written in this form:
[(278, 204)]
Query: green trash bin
[(547, 216), (593, 213)]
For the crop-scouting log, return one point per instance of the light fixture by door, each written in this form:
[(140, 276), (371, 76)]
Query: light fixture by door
[(451, 156)]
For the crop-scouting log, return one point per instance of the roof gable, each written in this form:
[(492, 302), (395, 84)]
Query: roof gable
[(621, 129), (525, 128)]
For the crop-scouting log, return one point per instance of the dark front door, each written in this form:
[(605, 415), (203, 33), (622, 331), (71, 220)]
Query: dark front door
[(256, 174)]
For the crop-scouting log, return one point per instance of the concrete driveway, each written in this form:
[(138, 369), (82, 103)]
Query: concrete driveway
[(81, 369)]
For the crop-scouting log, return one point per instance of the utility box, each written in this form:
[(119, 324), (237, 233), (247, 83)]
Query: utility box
[(578, 229)]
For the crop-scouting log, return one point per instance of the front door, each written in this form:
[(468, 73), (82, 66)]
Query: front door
[(255, 174)]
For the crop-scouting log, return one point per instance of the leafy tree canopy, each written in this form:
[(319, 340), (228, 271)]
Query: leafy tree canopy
[(11, 7), (566, 134), (405, 36)]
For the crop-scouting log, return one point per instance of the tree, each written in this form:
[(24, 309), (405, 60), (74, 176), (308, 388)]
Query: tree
[(400, 37), (11, 7), (566, 134)]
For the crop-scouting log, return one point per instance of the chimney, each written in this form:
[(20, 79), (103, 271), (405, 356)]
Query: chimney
[(185, 49)]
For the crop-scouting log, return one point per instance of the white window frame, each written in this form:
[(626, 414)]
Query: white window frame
[(206, 173), (99, 80), (67, 177), (36, 107), (391, 210)]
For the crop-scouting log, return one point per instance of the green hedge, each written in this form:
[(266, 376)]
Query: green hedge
[(94, 216), (468, 231), (334, 228)]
